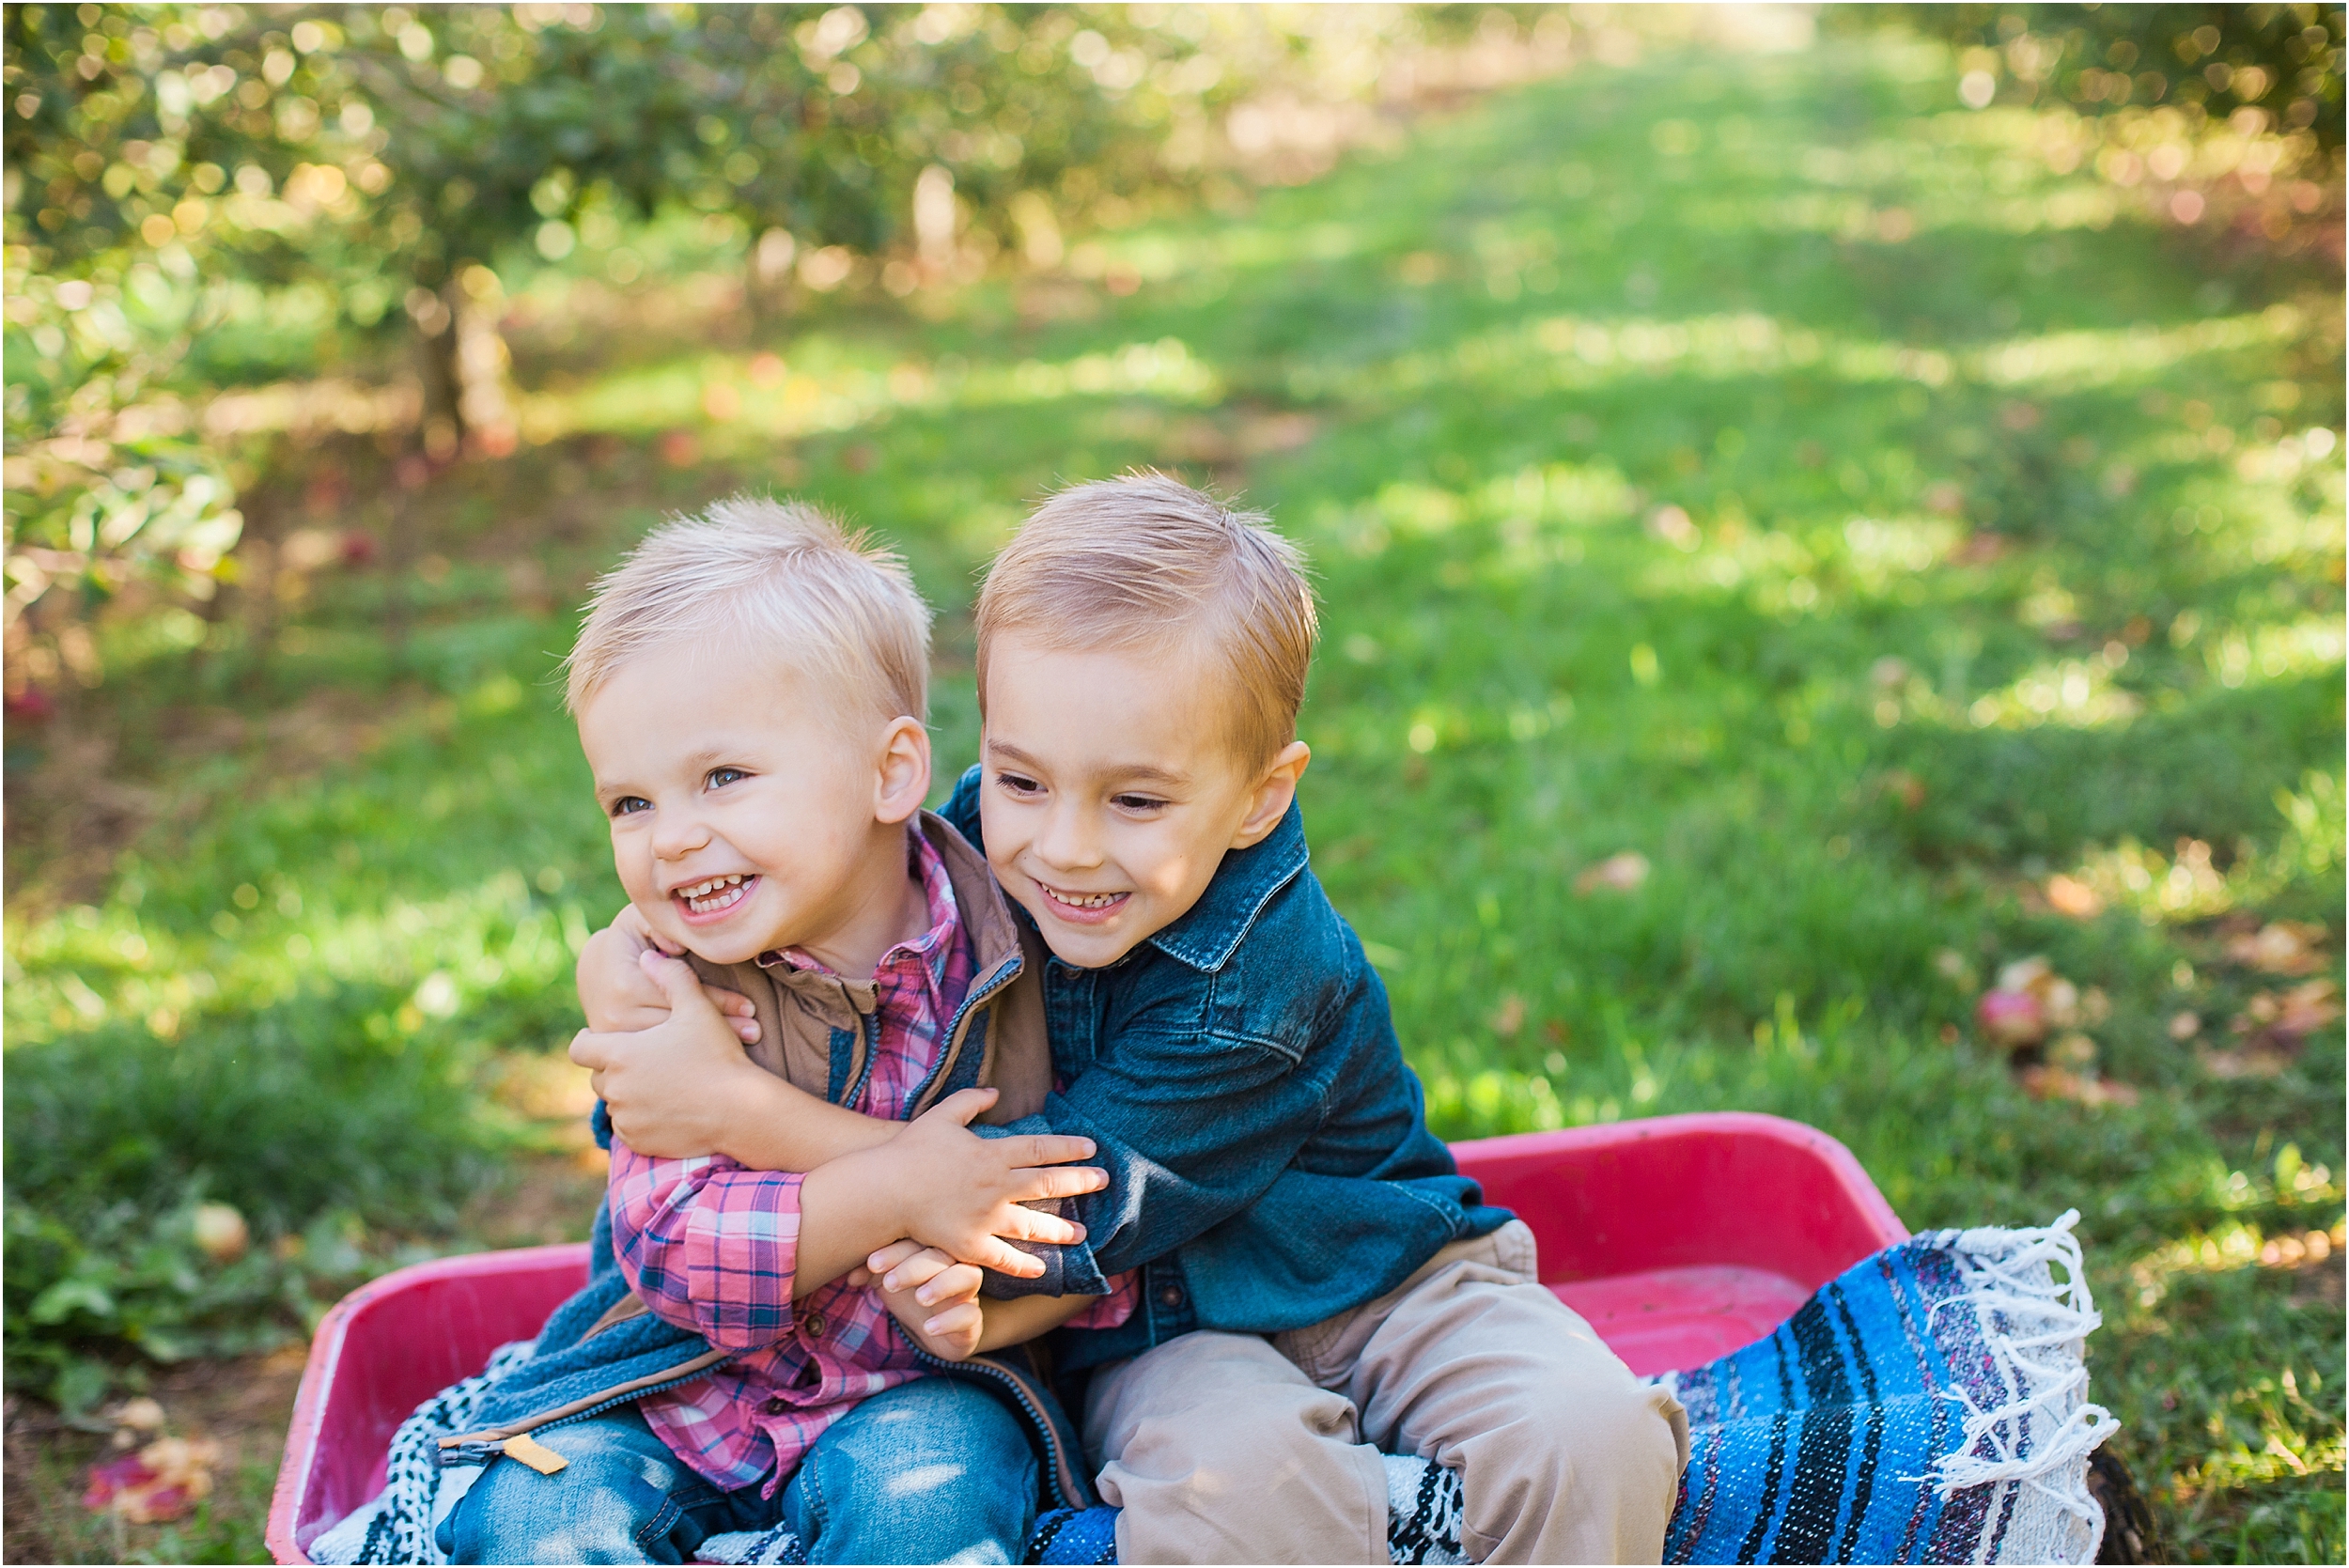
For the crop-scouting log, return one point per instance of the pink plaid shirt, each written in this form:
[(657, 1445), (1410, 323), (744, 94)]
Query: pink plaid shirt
[(713, 1247)]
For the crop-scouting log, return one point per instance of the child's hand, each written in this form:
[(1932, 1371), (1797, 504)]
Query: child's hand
[(619, 995), (967, 1196), (666, 1085), (934, 1278), (934, 1298)]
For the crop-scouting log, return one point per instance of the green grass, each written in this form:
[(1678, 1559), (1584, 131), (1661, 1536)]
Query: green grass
[(1654, 500)]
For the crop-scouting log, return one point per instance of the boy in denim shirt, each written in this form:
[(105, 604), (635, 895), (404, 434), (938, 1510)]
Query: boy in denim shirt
[(1317, 1281)]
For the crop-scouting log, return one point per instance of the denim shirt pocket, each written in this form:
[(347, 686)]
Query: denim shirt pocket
[(1283, 1017)]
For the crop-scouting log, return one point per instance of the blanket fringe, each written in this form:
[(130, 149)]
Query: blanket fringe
[(2035, 1328)]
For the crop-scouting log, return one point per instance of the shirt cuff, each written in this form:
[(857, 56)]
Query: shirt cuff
[(1067, 1271), (1025, 1126)]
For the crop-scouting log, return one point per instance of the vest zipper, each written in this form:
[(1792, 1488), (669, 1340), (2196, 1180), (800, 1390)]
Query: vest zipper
[(470, 1448), (465, 1449), (959, 1030)]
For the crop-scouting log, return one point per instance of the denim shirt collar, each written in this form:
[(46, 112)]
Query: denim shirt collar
[(1208, 931)]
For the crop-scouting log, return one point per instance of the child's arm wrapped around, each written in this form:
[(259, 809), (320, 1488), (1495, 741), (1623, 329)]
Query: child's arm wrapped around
[(929, 1180), (723, 1249), (936, 1303), (685, 1100)]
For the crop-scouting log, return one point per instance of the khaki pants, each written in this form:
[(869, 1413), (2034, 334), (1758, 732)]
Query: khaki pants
[(1230, 1447)]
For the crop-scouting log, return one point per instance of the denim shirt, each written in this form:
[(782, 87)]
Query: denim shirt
[(1267, 1146)]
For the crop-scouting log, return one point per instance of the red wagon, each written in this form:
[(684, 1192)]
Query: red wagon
[(1680, 1239)]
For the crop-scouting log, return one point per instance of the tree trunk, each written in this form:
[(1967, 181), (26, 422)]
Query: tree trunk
[(485, 402), (440, 435), (441, 429), (767, 279)]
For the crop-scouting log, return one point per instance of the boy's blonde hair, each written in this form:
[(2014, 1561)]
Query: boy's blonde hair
[(1147, 562), (781, 578)]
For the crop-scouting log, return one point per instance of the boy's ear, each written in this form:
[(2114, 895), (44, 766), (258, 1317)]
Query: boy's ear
[(1275, 789), (901, 781)]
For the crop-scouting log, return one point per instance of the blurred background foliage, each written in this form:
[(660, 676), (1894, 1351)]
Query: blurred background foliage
[(2208, 63), (205, 196), (1814, 510)]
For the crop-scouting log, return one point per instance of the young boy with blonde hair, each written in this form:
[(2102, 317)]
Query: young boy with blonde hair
[(1317, 1284), (750, 689)]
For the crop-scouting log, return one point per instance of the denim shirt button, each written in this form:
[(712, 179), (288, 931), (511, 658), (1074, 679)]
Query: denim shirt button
[(1170, 1295)]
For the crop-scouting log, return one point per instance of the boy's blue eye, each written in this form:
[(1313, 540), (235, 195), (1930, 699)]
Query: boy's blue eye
[(1018, 783), (1136, 802), (721, 777), (629, 805)]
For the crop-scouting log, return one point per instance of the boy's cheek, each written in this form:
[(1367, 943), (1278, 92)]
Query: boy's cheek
[(658, 914), (1022, 896), (663, 924), (637, 879), (629, 860), (1016, 887)]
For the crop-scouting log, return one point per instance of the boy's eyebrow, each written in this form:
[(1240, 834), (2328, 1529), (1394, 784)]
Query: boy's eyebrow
[(693, 762), (1142, 772), (1137, 770)]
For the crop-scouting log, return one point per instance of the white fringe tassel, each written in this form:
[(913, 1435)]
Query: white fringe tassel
[(2040, 1438)]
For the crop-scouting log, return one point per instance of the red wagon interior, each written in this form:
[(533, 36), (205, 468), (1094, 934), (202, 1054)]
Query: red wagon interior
[(1679, 1237)]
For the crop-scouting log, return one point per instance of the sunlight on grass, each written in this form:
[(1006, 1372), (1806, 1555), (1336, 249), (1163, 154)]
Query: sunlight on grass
[(1582, 352), (2229, 1247), (319, 889), (760, 394), (1522, 503), (2276, 1431), (2082, 359), (2186, 886), (2288, 652), (2076, 694), (456, 950)]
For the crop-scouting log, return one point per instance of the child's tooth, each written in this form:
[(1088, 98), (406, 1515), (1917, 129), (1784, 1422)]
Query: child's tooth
[(704, 896)]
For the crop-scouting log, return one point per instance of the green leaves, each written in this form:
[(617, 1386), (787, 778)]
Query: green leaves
[(2280, 59), (86, 1283), (76, 1294)]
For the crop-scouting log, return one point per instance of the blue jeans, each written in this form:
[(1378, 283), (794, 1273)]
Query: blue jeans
[(935, 1470)]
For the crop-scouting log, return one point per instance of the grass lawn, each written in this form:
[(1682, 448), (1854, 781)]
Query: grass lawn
[(1759, 466)]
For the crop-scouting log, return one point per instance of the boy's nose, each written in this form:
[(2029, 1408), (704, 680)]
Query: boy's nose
[(679, 836), (1068, 842)]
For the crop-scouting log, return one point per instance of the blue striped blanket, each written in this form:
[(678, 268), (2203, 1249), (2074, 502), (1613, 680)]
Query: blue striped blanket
[(1929, 1404)]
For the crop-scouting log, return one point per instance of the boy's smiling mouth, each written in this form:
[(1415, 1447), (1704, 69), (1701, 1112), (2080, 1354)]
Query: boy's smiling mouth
[(1082, 907), (714, 895)]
